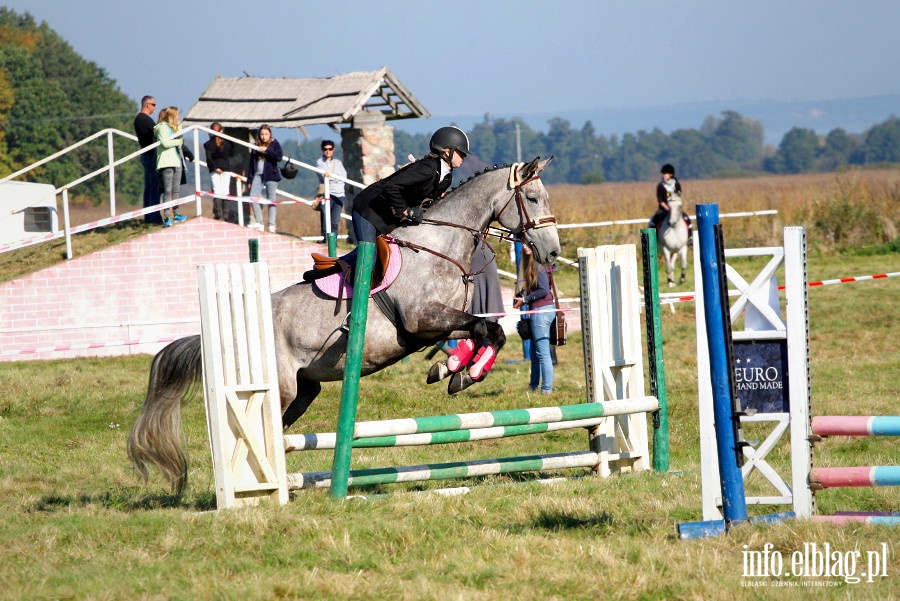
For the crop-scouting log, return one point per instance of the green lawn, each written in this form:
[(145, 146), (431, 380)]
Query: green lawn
[(75, 523)]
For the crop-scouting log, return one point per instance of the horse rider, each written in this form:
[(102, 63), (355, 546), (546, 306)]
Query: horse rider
[(668, 187), (398, 198)]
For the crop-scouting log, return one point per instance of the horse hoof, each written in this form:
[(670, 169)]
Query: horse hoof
[(671, 283), (460, 381), (437, 372)]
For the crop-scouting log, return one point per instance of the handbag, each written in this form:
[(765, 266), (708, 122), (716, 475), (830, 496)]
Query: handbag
[(289, 170), (559, 329), (319, 199), (523, 327)]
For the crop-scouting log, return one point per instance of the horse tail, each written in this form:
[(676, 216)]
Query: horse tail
[(157, 437)]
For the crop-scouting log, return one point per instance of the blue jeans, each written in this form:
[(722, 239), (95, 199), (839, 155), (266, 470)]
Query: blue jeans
[(256, 191), (541, 362), (363, 229), (337, 203), (151, 186)]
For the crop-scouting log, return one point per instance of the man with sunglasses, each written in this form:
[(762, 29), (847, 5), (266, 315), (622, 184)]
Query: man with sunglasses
[(143, 129), (331, 166)]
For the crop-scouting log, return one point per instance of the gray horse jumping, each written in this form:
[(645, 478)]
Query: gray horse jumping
[(672, 236), (429, 298)]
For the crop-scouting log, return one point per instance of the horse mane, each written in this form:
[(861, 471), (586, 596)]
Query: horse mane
[(474, 176), (478, 173)]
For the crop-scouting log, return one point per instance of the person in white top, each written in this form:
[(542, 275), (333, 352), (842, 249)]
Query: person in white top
[(331, 166)]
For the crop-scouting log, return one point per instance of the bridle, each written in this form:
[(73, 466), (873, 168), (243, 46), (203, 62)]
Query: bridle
[(526, 224)]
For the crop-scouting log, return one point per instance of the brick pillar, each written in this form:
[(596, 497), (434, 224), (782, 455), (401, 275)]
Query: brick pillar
[(368, 148)]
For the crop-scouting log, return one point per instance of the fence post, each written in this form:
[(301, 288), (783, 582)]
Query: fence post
[(715, 307), (340, 471), (655, 350)]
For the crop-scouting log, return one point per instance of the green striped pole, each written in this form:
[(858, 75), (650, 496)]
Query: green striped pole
[(331, 240), (253, 243), (508, 417), (655, 348), (352, 369), (444, 471), (325, 441)]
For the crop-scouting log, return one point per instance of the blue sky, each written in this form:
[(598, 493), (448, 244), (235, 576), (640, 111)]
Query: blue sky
[(499, 57)]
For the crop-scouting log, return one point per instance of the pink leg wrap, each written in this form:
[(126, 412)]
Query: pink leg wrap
[(483, 361), (460, 356)]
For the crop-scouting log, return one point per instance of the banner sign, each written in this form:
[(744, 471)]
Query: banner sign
[(761, 375)]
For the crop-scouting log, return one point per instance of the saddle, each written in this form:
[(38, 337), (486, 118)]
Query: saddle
[(324, 266)]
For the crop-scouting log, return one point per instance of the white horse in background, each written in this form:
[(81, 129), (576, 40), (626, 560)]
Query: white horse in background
[(672, 236)]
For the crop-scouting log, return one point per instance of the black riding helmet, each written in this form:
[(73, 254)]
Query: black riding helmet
[(667, 168), (449, 138)]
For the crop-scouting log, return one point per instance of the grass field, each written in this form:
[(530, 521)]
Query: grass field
[(75, 523)]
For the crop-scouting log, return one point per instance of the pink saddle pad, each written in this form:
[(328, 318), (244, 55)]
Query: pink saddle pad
[(331, 285)]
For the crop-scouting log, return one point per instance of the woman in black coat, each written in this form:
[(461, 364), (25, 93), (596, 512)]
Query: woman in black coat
[(398, 198)]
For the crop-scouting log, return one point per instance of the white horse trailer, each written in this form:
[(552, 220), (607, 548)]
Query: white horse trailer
[(26, 210)]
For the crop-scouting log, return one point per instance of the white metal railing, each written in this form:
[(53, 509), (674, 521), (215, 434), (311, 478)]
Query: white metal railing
[(109, 169)]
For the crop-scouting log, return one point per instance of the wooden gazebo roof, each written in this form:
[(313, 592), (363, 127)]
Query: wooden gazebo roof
[(282, 103)]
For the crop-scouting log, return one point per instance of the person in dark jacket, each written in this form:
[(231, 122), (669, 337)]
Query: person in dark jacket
[(668, 187), (143, 129), (219, 155), (398, 198), (264, 175)]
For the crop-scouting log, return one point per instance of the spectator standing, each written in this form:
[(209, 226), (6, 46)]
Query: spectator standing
[(331, 166), (169, 161), (143, 129), (219, 156), (487, 296), (264, 176), (537, 295)]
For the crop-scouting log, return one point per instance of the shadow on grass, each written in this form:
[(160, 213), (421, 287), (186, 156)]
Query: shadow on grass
[(560, 520), (126, 500)]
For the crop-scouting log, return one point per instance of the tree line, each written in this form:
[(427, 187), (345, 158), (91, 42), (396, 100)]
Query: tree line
[(729, 145), (51, 98)]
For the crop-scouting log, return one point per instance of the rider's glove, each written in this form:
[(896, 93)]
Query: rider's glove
[(415, 214)]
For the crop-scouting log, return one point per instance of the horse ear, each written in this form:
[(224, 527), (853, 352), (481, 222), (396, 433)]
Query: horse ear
[(531, 169), (534, 168), (542, 165)]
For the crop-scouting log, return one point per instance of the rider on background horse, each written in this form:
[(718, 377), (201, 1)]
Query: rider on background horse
[(398, 198), (668, 187)]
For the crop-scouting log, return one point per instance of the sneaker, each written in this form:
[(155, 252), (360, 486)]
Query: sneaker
[(167, 223), (271, 229), (256, 226), (179, 218), (546, 391)]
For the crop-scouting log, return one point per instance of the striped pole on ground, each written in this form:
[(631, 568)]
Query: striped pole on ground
[(510, 417), (890, 518), (843, 477), (856, 425), (443, 471)]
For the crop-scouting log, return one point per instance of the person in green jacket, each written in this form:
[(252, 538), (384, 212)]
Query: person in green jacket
[(169, 164)]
